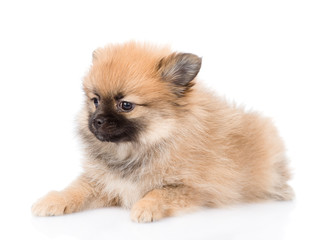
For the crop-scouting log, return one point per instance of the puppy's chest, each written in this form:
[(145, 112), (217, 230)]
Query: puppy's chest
[(125, 174), (127, 189)]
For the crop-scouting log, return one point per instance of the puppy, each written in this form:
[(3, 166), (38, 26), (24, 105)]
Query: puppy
[(158, 143)]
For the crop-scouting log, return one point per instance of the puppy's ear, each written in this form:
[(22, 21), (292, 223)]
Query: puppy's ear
[(180, 69), (96, 53)]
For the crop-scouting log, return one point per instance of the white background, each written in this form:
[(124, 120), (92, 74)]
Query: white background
[(254, 52)]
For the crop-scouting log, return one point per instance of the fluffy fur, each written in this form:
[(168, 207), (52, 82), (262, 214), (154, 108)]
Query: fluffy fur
[(181, 147)]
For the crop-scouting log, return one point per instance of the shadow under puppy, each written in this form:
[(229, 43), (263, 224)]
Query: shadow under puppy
[(158, 143)]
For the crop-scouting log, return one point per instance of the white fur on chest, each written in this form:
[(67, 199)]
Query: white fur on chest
[(113, 185), (128, 189), (129, 192)]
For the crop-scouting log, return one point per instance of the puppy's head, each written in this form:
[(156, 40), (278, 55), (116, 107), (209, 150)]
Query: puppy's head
[(135, 92)]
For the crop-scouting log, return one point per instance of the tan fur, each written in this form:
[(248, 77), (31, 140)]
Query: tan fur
[(196, 150)]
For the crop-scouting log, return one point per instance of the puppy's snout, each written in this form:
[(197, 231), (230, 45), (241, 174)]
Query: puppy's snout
[(98, 121)]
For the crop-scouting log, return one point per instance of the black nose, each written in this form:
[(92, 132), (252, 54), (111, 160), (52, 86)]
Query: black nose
[(98, 121)]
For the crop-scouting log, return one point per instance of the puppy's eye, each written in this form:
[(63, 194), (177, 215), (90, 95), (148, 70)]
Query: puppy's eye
[(126, 106), (95, 102)]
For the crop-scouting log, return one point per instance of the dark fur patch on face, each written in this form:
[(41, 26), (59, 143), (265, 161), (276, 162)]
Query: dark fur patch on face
[(108, 125), (118, 96)]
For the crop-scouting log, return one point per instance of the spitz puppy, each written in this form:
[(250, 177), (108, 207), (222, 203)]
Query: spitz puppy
[(158, 143)]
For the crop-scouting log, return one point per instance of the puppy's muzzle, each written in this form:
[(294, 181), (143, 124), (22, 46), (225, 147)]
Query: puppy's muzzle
[(98, 121)]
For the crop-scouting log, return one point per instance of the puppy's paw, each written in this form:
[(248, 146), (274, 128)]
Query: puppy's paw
[(146, 211), (53, 204)]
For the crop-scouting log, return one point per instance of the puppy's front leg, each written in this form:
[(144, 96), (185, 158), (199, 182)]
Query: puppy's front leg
[(76, 197), (160, 203)]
